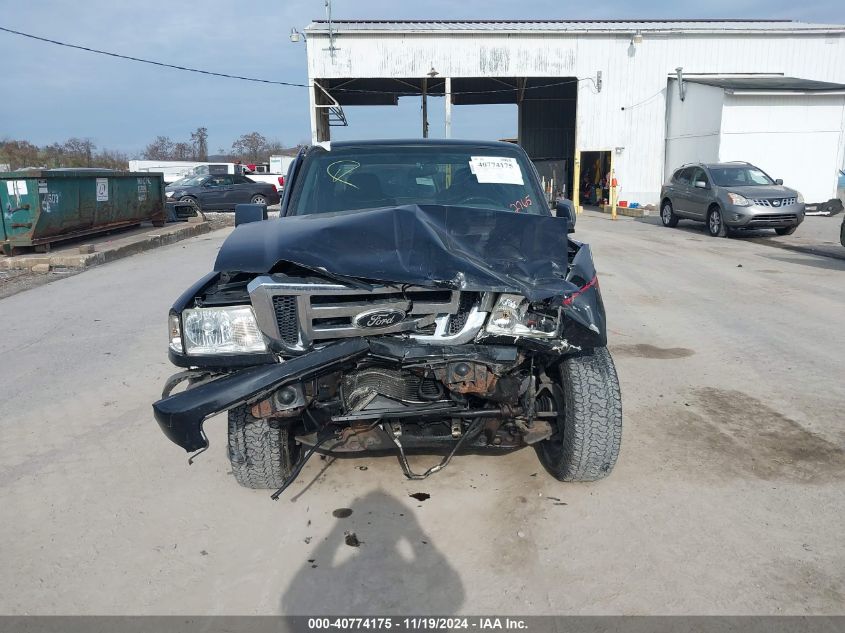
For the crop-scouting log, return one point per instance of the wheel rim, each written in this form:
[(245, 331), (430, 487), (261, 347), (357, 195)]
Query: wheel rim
[(666, 214), (259, 200), (715, 222)]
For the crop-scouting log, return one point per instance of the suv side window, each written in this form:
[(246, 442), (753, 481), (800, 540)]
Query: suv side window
[(682, 176), (699, 174)]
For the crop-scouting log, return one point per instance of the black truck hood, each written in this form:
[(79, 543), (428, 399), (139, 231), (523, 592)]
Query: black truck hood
[(427, 245)]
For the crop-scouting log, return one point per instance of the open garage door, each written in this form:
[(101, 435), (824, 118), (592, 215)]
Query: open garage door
[(546, 109)]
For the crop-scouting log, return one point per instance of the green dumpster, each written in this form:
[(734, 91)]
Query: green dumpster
[(44, 206)]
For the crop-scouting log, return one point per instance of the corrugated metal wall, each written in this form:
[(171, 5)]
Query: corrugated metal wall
[(630, 109), (692, 125), (796, 138)]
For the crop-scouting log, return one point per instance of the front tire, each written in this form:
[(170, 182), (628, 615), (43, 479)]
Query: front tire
[(588, 437), (667, 215), (190, 200), (786, 230), (262, 451), (715, 223)]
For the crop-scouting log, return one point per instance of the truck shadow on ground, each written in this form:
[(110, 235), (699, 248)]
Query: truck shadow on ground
[(376, 560)]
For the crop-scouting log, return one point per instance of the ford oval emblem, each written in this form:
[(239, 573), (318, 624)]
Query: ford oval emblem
[(373, 319)]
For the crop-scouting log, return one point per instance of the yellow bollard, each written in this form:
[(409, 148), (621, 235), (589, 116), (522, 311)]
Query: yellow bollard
[(576, 183)]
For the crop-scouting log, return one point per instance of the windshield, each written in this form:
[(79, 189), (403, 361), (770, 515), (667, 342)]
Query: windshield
[(739, 177), (498, 178), (189, 181)]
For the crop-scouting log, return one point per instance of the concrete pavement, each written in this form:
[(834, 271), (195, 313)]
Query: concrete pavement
[(728, 497)]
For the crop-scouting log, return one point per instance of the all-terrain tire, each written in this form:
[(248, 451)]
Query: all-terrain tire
[(262, 451), (586, 443)]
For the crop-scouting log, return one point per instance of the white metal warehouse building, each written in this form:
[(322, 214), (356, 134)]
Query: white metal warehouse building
[(769, 92)]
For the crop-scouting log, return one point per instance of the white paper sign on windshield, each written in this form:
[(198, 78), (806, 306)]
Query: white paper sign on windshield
[(500, 170)]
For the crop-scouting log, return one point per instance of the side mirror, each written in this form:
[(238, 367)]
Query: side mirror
[(700, 184), (779, 181), (246, 213), (565, 209)]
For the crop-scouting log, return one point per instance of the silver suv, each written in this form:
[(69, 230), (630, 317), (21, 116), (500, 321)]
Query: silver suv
[(728, 196)]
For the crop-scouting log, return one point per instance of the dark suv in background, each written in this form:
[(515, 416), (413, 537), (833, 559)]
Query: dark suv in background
[(728, 196)]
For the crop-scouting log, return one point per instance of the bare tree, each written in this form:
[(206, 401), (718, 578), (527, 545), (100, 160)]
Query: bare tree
[(182, 151), (53, 155), (111, 159), (79, 152), (160, 149), (19, 154), (250, 147), (199, 140)]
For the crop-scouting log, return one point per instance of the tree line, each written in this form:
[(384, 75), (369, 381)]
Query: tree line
[(74, 152), (253, 147)]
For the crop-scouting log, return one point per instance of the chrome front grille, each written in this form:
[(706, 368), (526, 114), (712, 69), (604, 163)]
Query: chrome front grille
[(775, 202), (297, 314), (287, 319)]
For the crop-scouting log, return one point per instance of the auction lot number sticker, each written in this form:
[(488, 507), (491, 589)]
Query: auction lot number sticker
[(501, 170)]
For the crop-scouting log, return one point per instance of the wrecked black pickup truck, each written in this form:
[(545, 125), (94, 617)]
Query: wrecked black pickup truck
[(415, 296)]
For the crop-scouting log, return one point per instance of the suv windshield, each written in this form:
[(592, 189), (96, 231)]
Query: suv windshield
[(369, 177), (739, 176)]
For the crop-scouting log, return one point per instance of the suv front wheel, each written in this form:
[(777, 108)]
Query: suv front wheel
[(715, 224)]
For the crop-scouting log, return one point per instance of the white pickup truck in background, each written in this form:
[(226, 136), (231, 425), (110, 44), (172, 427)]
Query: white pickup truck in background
[(273, 172)]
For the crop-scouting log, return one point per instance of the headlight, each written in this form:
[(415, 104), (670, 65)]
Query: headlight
[(738, 200), (174, 327), (229, 330), (800, 198), (513, 316), (168, 194)]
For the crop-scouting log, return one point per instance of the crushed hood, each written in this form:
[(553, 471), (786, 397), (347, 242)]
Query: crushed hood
[(427, 245)]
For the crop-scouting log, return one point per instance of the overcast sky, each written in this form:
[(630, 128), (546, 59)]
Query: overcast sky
[(50, 93)]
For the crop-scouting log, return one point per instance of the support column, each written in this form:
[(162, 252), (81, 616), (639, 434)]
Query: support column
[(320, 130), (448, 94), (425, 108), (312, 111)]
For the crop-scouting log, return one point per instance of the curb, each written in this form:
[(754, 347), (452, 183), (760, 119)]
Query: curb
[(639, 212), (88, 260)]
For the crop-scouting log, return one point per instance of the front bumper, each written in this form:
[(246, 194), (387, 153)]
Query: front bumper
[(756, 217), (182, 415)]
